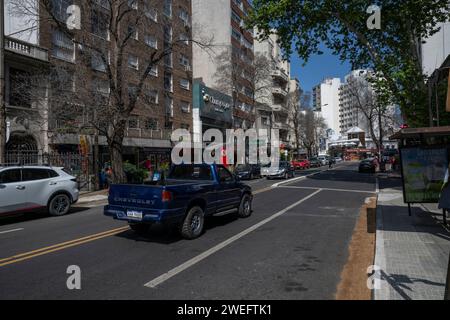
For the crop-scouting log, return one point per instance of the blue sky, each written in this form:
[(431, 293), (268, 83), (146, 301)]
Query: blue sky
[(318, 68)]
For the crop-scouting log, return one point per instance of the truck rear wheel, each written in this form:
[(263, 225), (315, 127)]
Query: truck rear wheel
[(245, 208), (193, 223)]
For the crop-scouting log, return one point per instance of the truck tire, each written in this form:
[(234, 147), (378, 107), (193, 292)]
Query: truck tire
[(59, 205), (245, 208), (193, 223), (140, 228)]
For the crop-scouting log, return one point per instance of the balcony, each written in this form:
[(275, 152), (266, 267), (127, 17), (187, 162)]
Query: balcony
[(279, 74), (26, 49), (280, 126), (279, 92)]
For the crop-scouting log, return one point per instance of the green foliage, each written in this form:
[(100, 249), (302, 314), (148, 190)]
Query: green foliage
[(134, 174), (303, 25)]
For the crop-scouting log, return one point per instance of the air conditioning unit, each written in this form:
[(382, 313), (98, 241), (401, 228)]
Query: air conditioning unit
[(187, 68), (242, 24), (187, 24)]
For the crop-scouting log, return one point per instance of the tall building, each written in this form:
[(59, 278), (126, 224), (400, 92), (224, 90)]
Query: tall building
[(271, 108), (436, 49), (228, 65), (167, 91), (326, 103), (350, 115)]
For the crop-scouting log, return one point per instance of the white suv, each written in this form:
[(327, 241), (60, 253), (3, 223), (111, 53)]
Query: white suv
[(26, 188)]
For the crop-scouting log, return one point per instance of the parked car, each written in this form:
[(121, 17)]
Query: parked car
[(323, 160), (26, 188), (338, 159), (315, 163), (284, 170), (248, 171), (301, 164), (188, 195), (367, 165)]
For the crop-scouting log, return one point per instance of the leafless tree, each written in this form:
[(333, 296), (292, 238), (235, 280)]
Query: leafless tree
[(296, 103), (311, 126), (378, 118), (106, 99), (232, 73)]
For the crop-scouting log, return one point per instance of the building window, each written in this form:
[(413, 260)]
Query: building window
[(168, 81), (167, 34), (151, 41), (59, 9), (185, 84), (184, 60), (152, 96), (151, 124), (154, 71), (185, 106), (133, 4), (167, 10), (62, 46), (169, 106), (133, 62), (151, 13), (97, 62), (132, 32), (133, 123), (235, 17), (236, 34), (102, 86), (184, 16), (99, 23), (184, 38), (184, 126), (168, 60)]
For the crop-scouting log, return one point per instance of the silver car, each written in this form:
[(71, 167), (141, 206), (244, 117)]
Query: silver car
[(28, 188)]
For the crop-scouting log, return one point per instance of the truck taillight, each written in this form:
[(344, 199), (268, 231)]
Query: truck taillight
[(166, 196)]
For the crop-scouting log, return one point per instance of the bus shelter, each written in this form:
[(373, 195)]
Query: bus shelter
[(424, 158)]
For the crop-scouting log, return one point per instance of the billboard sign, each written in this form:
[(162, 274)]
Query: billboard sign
[(423, 171)]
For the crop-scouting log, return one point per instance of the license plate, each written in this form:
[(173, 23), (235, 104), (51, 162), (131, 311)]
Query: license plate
[(137, 215)]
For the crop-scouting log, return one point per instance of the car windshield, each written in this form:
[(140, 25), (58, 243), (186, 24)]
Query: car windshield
[(266, 165), (190, 172)]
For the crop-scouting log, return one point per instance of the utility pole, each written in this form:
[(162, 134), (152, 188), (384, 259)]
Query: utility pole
[(2, 85)]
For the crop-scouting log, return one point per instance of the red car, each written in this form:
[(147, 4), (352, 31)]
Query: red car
[(301, 164)]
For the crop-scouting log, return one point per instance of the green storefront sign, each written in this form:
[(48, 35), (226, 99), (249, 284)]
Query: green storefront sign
[(213, 104)]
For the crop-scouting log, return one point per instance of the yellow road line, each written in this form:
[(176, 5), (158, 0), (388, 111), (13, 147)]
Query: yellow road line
[(60, 246)]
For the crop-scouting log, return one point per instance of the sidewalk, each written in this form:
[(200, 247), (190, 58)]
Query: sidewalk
[(88, 197), (412, 252)]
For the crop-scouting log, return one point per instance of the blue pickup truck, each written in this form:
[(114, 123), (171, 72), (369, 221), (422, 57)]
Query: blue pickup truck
[(184, 198)]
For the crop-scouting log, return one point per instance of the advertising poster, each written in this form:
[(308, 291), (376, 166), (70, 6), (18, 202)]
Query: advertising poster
[(424, 171)]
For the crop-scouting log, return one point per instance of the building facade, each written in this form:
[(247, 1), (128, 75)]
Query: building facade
[(166, 102), (228, 66), (326, 102)]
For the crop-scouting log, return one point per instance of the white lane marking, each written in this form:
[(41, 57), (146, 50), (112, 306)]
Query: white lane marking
[(13, 230), (276, 185), (377, 185), (327, 189), (171, 273)]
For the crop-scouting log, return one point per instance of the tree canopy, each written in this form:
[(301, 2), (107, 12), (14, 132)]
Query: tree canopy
[(393, 51)]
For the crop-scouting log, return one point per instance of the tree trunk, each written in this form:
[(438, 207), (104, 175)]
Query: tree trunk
[(118, 175)]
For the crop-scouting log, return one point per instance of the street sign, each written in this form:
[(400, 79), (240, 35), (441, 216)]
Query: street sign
[(424, 171)]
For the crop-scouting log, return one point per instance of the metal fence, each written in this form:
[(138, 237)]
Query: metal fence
[(77, 164)]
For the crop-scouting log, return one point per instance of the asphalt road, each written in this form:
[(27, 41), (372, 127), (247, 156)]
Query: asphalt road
[(294, 246)]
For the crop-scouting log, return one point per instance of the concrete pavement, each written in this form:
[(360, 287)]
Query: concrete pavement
[(412, 252), (294, 247)]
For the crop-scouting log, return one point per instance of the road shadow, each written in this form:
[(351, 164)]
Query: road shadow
[(162, 234), (345, 175), (402, 283), (35, 215)]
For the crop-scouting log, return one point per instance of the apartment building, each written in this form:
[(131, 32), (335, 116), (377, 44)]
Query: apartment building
[(233, 45), (166, 99), (326, 102), (271, 101), (350, 115)]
